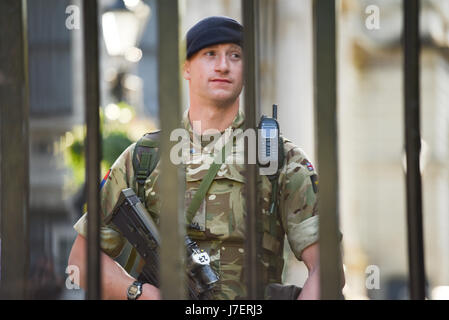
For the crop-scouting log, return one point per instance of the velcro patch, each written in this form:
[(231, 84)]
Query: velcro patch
[(314, 179)]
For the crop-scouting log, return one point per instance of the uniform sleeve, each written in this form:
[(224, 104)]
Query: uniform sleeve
[(119, 178), (299, 202)]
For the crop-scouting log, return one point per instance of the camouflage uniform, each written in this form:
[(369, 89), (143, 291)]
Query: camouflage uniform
[(219, 224)]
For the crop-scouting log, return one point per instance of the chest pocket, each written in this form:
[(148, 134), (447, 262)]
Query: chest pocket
[(221, 214)]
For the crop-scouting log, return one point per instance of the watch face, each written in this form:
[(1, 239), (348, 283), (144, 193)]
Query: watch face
[(134, 291)]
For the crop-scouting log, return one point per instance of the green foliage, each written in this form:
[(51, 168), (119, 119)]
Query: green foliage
[(114, 143), (116, 137), (115, 140)]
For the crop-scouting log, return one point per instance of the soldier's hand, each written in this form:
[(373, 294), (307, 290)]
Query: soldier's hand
[(150, 292)]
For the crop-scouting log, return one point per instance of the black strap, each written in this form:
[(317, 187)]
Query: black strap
[(145, 159)]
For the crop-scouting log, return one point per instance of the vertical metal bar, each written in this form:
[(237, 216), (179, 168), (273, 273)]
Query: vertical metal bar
[(173, 178), (413, 149), (253, 271), (327, 151), (93, 146), (14, 156)]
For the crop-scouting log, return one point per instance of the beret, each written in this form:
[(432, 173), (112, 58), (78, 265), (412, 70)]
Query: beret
[(211, 31)]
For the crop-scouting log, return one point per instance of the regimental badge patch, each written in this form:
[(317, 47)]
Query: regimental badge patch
[(307, 163), (309, 166)]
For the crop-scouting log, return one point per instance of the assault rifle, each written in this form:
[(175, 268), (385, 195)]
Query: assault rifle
[(137, 226)]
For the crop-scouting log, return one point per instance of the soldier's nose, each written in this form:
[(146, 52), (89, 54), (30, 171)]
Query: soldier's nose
[(222, 64)]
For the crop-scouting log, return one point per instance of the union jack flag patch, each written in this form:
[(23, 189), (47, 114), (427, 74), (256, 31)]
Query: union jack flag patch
[(104, 179)]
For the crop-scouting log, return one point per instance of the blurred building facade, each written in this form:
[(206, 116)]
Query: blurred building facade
[(52, 114), (371, 129), (56, 107)]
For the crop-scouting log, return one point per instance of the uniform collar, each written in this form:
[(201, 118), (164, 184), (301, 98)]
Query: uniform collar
[(236, 123)]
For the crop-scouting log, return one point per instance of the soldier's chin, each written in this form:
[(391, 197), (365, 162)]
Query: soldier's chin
[(225, 100)]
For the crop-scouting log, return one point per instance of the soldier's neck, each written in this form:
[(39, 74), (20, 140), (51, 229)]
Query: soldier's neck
[(208, 116)]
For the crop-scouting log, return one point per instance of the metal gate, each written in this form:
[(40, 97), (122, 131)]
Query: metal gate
[(14, 146)]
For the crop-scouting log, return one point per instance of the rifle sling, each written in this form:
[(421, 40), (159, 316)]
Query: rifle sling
[(200, 194)]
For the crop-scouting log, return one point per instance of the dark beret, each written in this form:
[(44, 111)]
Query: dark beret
[(211, 31)]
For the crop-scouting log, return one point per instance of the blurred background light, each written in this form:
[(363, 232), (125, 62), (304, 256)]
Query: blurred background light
[(133, 54), (123, 27), (125, 116), (440, 293), (112, 111)]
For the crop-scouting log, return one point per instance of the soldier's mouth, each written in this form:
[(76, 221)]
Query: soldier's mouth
[(221, 80)]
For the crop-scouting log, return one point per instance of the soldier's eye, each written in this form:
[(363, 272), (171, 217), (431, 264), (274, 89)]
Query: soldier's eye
[(236, 55)]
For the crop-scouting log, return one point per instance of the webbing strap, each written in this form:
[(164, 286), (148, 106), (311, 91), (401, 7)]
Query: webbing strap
[(273, 206), (200, 194), (274, 179), (149, 143), (147, 163), (142, 173), (271, 236)]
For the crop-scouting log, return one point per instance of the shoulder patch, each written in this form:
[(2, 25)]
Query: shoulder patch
[(308, 164), (104, 179)]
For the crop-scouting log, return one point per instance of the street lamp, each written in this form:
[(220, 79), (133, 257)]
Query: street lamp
[(123, 24)]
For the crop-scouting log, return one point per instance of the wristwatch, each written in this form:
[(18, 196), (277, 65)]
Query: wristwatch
[(134, 290)]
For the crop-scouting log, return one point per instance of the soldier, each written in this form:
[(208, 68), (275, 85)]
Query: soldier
[(214, 70)]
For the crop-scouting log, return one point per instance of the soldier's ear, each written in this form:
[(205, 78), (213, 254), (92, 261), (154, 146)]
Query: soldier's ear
[(186, 70)]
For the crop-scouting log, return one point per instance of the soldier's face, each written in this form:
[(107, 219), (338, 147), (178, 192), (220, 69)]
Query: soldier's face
[(215, 73)]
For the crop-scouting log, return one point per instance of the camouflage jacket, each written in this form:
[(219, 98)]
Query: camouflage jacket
[(219, 224)]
